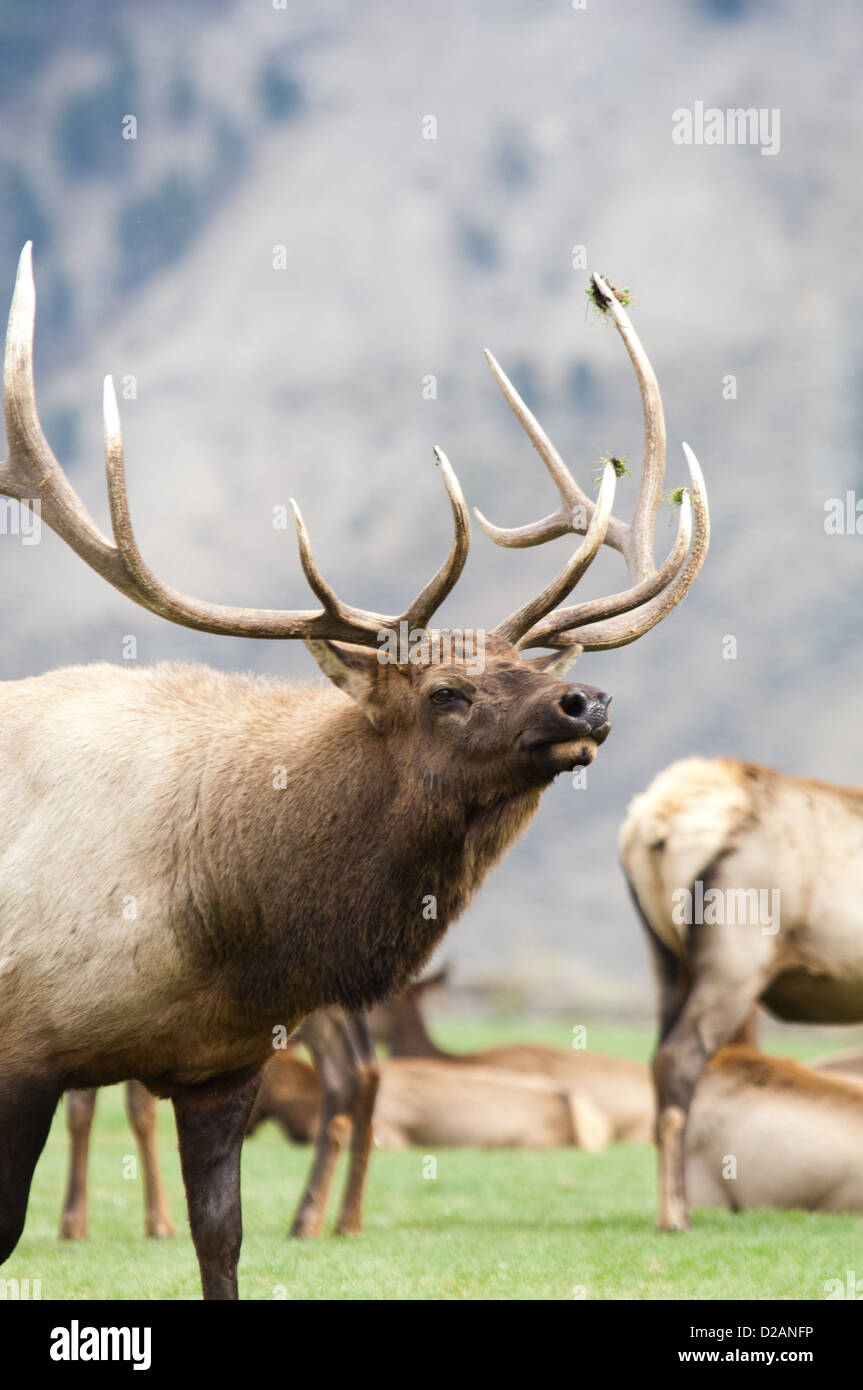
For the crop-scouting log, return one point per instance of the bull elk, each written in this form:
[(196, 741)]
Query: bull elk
[(748, 883), (257, 904)]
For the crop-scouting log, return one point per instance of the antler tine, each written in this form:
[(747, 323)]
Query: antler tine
[(32, 473), (620, 631), (524, 618), (638, 545), (592, 611), (338, 620), (652, 593), (150, 592), (430, 598), (572, 499)]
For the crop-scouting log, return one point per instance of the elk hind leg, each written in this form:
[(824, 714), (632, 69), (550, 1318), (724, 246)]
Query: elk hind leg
[(325, 1033), (80, 1106), (141, 1110), (350, 1220), (713, 1012)]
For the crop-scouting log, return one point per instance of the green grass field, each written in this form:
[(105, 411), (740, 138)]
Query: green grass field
[(550, 1225)]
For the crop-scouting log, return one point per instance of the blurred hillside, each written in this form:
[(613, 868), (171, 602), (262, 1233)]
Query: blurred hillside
[(303, 128)]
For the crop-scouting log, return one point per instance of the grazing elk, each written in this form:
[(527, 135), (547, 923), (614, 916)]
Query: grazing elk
[(257, 904), (768, 1132), (427, 1102), (619, 1089), (749, 885)]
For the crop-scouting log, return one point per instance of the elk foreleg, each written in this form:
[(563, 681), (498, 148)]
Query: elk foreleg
[(27, 1105), (350, 1221), (80, 1106), (210, 1134), (141, 1110)]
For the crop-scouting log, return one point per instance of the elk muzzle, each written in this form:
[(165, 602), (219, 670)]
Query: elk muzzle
[(588, 708), (565, 733)]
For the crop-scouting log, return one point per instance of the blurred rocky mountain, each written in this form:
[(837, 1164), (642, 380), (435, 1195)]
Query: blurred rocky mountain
[(297, 135)]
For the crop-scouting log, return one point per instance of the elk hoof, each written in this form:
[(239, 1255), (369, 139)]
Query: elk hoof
[(160, 1229), (305, 1230), (72, 1229), (674, 1224)]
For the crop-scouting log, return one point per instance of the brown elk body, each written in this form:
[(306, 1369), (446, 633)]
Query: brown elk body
[(426, 1102), (774, 863), (769, 1132), (168, 905), (620, 1090)]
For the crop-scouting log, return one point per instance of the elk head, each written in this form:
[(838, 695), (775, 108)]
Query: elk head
[(499, 711)]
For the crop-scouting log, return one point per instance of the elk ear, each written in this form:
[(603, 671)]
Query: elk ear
[(556, 663), (353, 669)]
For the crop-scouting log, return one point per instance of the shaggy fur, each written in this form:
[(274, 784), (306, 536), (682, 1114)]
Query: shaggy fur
[(737, 827)]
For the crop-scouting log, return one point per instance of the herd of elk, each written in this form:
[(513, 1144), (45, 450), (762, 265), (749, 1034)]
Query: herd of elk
[(257, 904), (521, 1095), (749, 885), (763, 1131)]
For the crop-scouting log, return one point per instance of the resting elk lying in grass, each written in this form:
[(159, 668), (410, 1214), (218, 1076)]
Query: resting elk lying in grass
[(422, 1101), (768, 1132), (618, 1089), (258, 903), (749, 885), (604, 1098)]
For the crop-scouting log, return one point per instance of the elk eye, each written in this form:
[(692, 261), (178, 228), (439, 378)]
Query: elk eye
[(446, 695)]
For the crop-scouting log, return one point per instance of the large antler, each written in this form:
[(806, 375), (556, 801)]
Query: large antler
[(620, 618), (32, 473)]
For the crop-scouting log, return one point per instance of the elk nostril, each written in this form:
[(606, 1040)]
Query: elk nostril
[(575, 704)]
